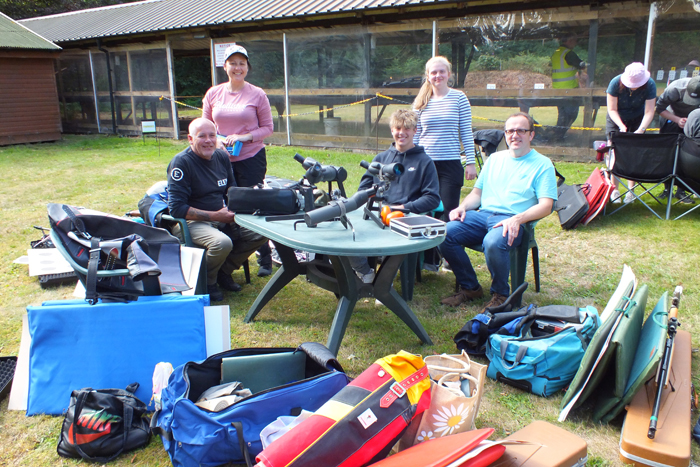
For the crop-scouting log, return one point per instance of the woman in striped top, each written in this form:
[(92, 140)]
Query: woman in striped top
[(445, 130)]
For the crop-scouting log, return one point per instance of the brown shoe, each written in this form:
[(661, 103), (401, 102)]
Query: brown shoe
[(496, 300), (464, 295)]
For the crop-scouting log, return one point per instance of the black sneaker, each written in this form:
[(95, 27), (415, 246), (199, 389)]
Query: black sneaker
[(264, 271), (227, 283), (664, 194), (683, 197), (215, 295)]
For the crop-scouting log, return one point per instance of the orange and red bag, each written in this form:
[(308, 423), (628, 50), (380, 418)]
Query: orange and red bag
[(362, 422)]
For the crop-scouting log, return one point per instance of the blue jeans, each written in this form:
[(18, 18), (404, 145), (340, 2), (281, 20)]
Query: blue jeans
[(477, 229)]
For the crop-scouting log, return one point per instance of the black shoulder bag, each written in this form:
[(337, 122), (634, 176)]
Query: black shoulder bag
[(100, 424)]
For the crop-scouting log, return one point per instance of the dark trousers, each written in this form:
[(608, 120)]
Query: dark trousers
[(567, 114), (250, 172), (671, 127), (451, 179)]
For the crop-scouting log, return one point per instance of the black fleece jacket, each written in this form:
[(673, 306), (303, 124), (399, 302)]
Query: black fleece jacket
[(417, 188)]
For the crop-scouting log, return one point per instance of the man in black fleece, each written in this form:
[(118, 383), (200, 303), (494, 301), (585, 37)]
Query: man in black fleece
[(416, 190), (198, 179)]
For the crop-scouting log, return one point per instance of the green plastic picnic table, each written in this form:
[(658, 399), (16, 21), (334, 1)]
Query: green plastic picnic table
[(336, 242)]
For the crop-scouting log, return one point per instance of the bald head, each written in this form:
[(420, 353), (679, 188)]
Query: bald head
[(199, 123), (202, 137)]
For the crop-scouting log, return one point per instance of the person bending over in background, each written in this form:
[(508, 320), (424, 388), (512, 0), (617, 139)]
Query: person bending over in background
[(631, 100), (678, 100)]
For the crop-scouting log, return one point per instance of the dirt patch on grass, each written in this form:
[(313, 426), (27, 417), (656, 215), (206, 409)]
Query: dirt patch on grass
[(509, 79)]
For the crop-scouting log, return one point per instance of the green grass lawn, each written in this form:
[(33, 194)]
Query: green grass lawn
[(110, 174)]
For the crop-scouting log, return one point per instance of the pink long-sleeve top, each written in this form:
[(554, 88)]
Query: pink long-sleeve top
[(238, 113)]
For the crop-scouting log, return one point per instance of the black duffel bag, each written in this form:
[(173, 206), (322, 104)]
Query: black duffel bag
[(571, 204), (100, 424), (263, 201)]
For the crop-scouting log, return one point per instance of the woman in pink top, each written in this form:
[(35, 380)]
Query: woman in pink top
[(241, 112)]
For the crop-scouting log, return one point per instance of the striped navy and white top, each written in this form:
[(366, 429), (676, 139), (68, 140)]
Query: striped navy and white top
[(443, 124)]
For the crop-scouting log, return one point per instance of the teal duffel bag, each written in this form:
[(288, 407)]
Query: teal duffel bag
[(546, 354)]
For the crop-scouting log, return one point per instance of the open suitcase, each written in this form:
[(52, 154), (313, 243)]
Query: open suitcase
[(549, 446), (671, 445)]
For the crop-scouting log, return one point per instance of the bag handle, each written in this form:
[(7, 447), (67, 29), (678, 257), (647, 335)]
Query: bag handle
[(91, 279), (465, 365), (127, 416), (241, 442), (461, 377), (522, 350)]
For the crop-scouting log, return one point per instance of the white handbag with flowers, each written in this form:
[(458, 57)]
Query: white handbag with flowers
[(457, 384)]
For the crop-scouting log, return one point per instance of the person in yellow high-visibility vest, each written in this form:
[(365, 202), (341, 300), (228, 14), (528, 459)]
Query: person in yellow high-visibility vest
[(567, 70)]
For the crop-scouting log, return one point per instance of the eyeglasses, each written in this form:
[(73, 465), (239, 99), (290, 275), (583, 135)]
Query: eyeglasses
[(519, 131)]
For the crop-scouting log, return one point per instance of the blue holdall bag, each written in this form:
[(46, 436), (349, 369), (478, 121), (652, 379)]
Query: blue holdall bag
[(197, 436), (547, 352)]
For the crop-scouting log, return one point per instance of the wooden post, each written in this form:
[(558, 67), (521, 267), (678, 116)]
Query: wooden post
[(94, 91), (436, 39), (651, 29), (367, 42), (212, 60), (319, 67), (461, 75), (131, 88), (588, 110), (171, 84)]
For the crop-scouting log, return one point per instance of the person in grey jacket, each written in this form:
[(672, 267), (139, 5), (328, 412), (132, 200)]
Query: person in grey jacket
[(416, 190), (680, 98), (692, 126)]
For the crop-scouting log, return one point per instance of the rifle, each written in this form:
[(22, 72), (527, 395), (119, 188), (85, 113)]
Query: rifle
[(665, 365)]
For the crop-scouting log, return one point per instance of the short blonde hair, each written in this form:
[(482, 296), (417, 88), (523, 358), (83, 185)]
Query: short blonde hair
[(403, 118)]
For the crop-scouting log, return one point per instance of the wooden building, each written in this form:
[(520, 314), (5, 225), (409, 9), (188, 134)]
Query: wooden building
[(334, 71), (28, 97)]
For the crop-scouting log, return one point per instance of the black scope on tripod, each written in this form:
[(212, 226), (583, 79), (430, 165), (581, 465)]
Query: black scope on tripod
[(316, 172), (336, 208), (388, 172)]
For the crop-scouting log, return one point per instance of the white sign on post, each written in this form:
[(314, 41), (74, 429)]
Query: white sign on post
[(539, 85), (219, 50), (148, 126), (491, 86)]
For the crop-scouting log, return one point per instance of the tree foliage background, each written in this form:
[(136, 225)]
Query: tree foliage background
[(21, 9)]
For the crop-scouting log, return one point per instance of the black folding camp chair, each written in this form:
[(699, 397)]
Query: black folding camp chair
[(486, 142), (688, 168), (649, 160)]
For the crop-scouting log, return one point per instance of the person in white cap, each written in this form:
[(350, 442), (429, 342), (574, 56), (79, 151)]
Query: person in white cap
[(241, 112), (631, 101)]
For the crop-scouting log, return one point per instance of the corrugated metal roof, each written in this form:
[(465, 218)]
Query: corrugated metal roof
[(162, 15), (16, 36)]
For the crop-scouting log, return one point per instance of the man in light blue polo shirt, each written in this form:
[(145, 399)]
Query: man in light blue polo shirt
[(515, 187)]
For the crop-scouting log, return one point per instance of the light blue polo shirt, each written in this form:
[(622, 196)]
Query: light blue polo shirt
[(512, 185)]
